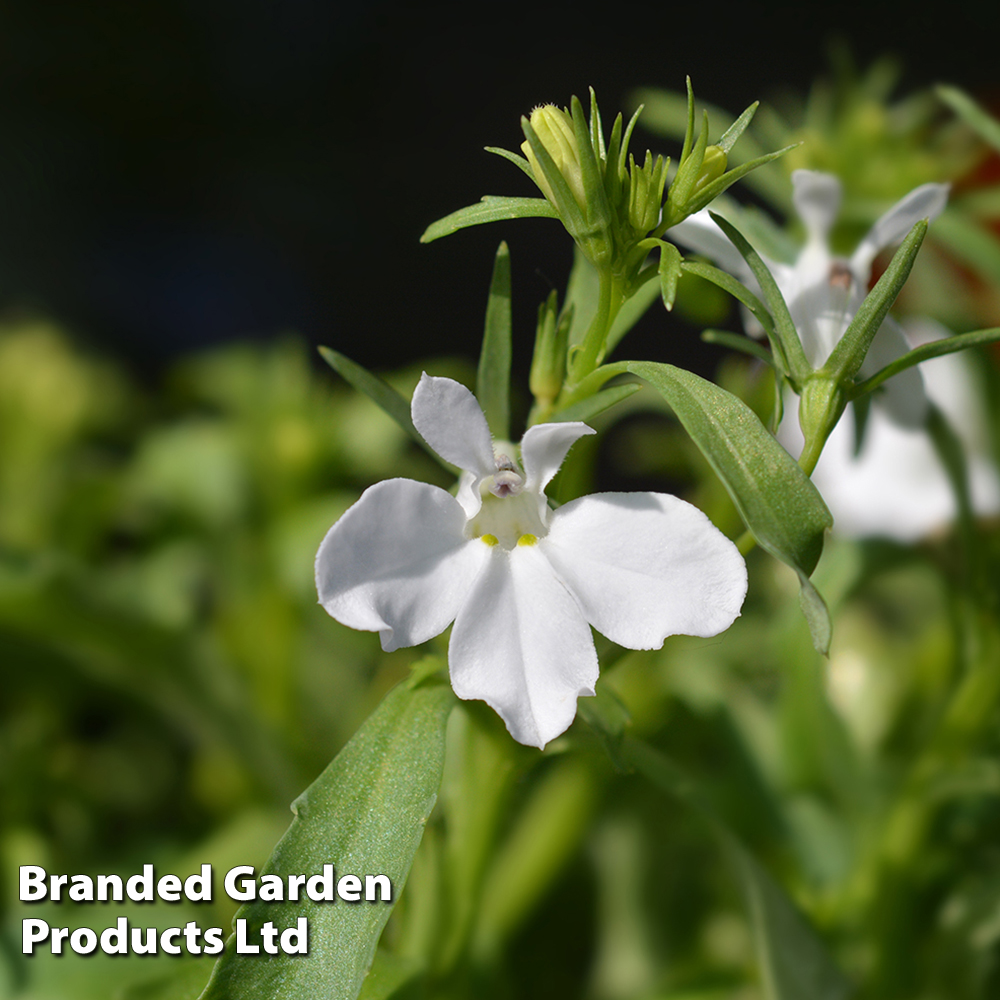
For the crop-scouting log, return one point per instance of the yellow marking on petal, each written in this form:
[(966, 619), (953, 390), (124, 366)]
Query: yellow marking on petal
[(527, 540), (490, 540)]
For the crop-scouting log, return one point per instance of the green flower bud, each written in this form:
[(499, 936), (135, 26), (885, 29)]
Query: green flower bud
[(548, 366), (646, 192), (713, 166), (555, 130)]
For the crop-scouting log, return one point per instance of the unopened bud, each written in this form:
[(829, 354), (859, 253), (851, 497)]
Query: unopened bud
[(554, 129), (713, 166)]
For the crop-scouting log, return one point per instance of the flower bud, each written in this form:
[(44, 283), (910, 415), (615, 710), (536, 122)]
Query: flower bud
[(548, 366), (646, 192), (713, 166), (554, 129)]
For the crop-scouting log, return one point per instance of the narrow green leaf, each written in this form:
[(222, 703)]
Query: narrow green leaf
[(382, 394), (598, 403), (596, 127), (591, 167), (847, 357), (365, 814), (792, 961), (688, 121), (777, 501), (971, 113), (493, 208), (518, 161), (935, 349), (670, 271), (738, 342), (738, 127), (816, 613), (493, 376), (784, 329)]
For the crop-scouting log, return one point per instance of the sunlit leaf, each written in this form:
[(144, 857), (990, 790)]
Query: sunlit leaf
[(365, 815), (493, 208)]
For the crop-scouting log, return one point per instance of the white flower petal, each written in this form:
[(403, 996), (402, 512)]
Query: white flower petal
[(924, 202), (521, 644), (543, 449), (816, 197), (398, 563), (646, 565), (451, 421)]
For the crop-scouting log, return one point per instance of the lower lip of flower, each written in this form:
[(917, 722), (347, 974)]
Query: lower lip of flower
[(508, 521)]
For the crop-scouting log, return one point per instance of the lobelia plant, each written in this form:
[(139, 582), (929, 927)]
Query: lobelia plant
[(523, 579)]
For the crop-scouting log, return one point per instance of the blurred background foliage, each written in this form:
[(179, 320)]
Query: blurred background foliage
[(183, 176)]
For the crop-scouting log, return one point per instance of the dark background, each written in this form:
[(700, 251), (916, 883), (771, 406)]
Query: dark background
[(175, 173)]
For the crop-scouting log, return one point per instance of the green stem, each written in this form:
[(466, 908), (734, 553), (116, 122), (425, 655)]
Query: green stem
[(592, 349), (810, 455)]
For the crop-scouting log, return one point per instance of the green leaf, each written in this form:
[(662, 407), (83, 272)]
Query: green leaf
[(971, 113), (670, 271), (598, 403), (390, 976), (792, 962), (817, 614), (519, 161), (935, 349), (784, 329), (777, 501), (382, 394), (732, 134), (493, 208), (493, 377), (848, 356), (365, 814)]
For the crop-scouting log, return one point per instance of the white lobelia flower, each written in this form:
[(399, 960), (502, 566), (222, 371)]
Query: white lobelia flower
[(896, 486), (522, 581)]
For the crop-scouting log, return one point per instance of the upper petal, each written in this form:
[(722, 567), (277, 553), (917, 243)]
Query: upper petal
[(521, 644), (451, 421), (816, 197), (398, 563), (924, 202), (646, 565), (543, 449)]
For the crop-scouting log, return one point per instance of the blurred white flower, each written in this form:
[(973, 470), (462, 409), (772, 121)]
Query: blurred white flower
[(895, 486), (522, 581)]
